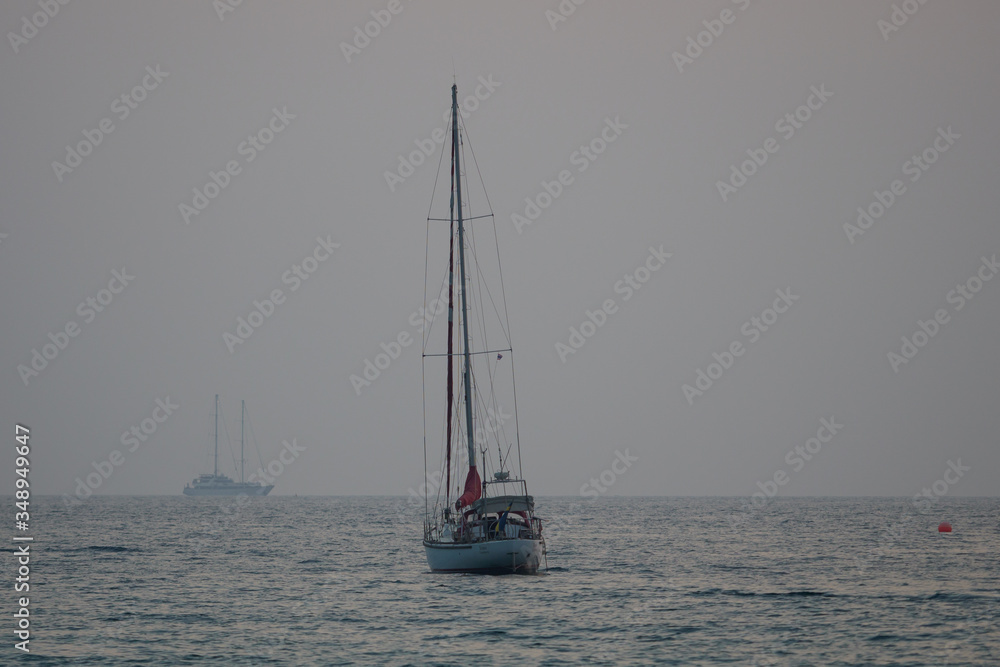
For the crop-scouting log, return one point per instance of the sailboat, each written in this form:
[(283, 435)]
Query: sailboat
[(220, 485), (489, 525)]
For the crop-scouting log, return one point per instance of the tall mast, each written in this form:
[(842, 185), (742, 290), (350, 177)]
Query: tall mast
[(242, 460), (451, 349), (461, 263), (216, 473)]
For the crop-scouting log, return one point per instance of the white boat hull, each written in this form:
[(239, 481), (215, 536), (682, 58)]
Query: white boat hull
[(231, 490), (517, 556)]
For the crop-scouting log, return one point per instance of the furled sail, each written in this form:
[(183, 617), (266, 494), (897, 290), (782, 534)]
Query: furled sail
[(473, 489)]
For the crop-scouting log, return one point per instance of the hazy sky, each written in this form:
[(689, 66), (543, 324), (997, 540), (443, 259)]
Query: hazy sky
[(821, 105)]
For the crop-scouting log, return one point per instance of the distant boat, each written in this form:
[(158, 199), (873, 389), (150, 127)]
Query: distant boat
[(220, 485), (490, 527)]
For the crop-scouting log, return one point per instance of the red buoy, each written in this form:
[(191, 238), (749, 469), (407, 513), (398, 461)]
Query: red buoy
[(944, 527)]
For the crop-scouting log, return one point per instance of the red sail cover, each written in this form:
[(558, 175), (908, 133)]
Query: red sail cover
[(473, 489)]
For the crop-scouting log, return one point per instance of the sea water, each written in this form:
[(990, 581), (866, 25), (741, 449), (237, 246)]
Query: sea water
[(682, 581)]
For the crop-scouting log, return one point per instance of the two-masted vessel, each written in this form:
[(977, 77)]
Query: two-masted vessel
[(215, 484), (487, 524)]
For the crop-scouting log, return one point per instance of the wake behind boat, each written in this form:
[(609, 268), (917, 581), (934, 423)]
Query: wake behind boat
[(215, 484), (491, 527)]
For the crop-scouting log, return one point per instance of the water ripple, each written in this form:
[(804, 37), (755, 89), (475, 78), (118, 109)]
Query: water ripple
[(125, 581)]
